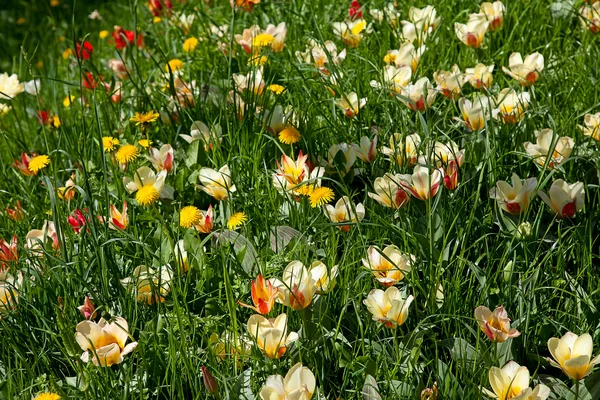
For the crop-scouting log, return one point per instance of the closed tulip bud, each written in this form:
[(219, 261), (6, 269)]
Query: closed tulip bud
[(508, 271), (87, 309), (210, 383)]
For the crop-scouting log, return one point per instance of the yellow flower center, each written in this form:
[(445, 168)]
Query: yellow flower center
[(263, 40), (289, 135), (38, 163), (320, 196), (127, 153), (147, 195), (189, 216)]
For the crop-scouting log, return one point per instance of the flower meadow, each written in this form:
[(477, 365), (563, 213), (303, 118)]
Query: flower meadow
[(299, 199)]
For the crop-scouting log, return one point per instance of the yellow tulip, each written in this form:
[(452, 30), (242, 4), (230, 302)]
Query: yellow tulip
[(525, 71), (511, 382), (103, 343), (389, 266), (390, 307), (573, 354), (216, 183), (299, 384), (345, 211), (271, 334)]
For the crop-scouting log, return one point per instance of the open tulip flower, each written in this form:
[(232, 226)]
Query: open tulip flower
[(388, 191), (494, 13), (564, 199), (394, 79), (8, 252), (366, 150), (473, 32), (293, 171), (200, 131), (350, 32), (324, 277), (263, 295), (495, 325), (404, 150), (103, 343), (573, 354), (589, 16), (592, 126), (271, 334), (422, 184), (297, 286), (419, 96), (321, 55), (426, 16), (389, 266), (512, 106), (345, 212), (526, 72), (511, 382), (9, 289), (216, 183), (149, 285), (450, 83), (255, 39), (340, 158), (406, 55), (350, 104), (389, 308), (480, 76), (118, 220), (549, 150), (299, 384), (147, 185), (36, 238), (475, 113), (516, 198), (253, 82), (161, 159)]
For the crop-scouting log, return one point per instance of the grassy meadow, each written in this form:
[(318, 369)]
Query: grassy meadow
[(296, 199)]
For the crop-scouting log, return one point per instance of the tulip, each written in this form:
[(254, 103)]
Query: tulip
[(406, 56), (512, 382), (10, 86), (394, 79), (216, 183), (293, 171), (341, 157), (87, 309), (263, 295), (23, 164), (321, 56), (118, 220), (206, 222), (547, 143), (388, 191), (324, 278), (422, 184), (419, 96), (589, 16), (161, 159), (147, 185), (118, 67), (476, 113), (253, 82), (209, 381), (480, 77), (514, 199), (367, 149), (200, 131), (390, 307), (271, 334), (450, 83), (350, 104), (67, 192), (512, 105), (104, 341), (526, 72), (77, 220), (345, 212), (9, 286), (36, 238), (495, 325), (573, 354), (427, 16), (181, 256), (297, 287), (149, 285), (473, 32), (16, 214), (565, 199), (403, 150), (494, 12), (246, 5), (8, 252), (350, 32), (254, 38), (299, 384), (592, 126), (389, 266)]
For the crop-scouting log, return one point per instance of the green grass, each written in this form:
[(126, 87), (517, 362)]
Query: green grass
[(461, 238)]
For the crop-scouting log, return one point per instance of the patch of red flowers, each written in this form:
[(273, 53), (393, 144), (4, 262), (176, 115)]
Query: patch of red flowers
[(157, 7), (84, 50), (354, 11), (124, 38)]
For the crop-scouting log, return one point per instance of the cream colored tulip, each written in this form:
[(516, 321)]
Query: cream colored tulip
[(527, 71), (389, 308), (324, 277), (388, 191), (480, 76), (340, 152), (393, 79), (406, 55), (350, 32), (512, 106), (495, 325), (426, 16), (350, 104), (9, 289), (450, 83), (589, 17), (592, 126), (573, 354), (516, 198), (297, 286), (419, 96), (511, 382), (475, 113), (209, 136), (271, 334), (230, 345), (321, 55), (404, 150), (389, 266), (422, 184), (161, 159), (103, 343), (149, 285), (565, 199), (345, 213), (216, 183), (473, 32), (147, 185), (548, 145), (10, 86), (36, 238), (252, 82), (299, 384), (254, 38), (494, 13), (366, 150)]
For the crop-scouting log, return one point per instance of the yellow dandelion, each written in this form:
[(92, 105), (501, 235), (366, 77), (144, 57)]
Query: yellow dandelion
[(39, 64), (144, 118), (303, 190), (320, 195), (156, 20), (56, 122), (147, 195), (275, 88), (54, 3), (258, 60), (145, 143), (189, 216), (262, 40), (174, 65), (190, 44), (109, 143), (47, 396), (67, 53), (289, 135), (127, 153), (103, 34), (236, 220), (38, 163), (21, 21), (67, 101), (389, 58)]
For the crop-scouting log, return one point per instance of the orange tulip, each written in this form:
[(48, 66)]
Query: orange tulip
[(263, 295)]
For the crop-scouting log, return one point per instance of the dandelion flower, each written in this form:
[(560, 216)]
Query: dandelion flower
[(189, 216), (144, 118), (38, 163), (289, 135), (68, 101), (174, 65), (190, 45), (127, 153), (275, 88), (103, 34), (321, 195), (47, 396), (236, 220), (145, 143), (109, 143)]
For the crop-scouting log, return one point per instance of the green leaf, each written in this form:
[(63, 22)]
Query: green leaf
[(370, 391), (242, 389), (242, 247), (281, 236)]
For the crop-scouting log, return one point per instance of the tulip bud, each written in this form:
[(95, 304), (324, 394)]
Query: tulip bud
[(87, 309), (209, 381), (524, 231), (508, 271), (430, 393)]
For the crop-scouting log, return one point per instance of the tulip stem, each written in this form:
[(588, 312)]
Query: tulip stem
[(576, 389), (307, 325)]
